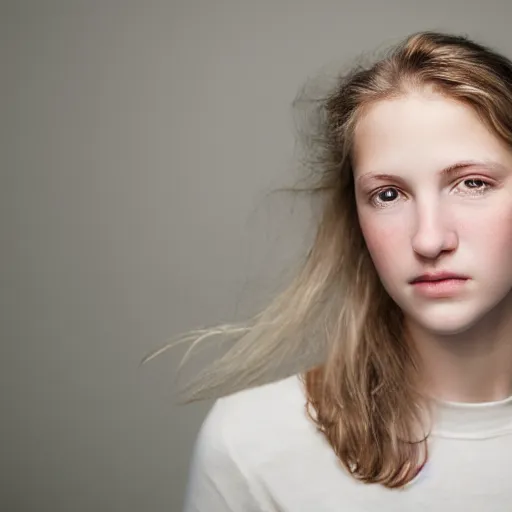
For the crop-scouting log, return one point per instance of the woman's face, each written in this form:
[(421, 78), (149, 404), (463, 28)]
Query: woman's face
[(434, 194)]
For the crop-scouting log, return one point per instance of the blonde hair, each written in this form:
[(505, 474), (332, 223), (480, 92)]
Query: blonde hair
[(335, 322)]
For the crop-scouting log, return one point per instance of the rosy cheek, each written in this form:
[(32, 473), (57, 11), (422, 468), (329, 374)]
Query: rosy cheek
[(384, 245), (490, 231)]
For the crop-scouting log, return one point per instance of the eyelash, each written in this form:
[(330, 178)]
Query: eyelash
[(477, 192)]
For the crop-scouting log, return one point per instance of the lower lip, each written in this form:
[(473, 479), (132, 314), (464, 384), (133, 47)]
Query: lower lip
[(442, 288)]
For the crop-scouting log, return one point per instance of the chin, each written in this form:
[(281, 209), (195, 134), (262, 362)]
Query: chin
[(446, 323), (447, 328)]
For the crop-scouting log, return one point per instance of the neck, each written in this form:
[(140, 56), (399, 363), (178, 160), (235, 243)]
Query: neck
[(471, 366)]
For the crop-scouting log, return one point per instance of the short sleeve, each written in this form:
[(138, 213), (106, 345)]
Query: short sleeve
[(217, 482)]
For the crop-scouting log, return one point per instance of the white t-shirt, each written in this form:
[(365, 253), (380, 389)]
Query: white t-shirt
[(259, 451)]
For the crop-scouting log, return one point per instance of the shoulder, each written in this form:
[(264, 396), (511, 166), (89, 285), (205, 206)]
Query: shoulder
[(264, 415), (270, 400), (242, 437)]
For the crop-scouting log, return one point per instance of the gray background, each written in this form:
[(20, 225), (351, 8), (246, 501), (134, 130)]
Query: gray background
[(138, 142)]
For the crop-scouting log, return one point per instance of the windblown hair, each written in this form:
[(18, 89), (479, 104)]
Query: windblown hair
[(335, 323)]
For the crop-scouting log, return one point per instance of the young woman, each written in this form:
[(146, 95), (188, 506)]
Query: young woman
[(400, 318)]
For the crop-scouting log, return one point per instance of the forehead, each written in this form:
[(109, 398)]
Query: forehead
[(422, 131)]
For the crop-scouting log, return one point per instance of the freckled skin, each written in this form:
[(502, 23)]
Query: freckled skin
[(434, 222)]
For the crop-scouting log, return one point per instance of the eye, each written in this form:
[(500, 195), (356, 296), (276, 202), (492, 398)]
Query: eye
[(384, 197), (473, 186), (474, 183)]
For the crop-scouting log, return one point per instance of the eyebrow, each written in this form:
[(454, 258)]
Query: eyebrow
[(450, 171)]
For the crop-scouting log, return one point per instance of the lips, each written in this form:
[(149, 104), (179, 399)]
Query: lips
[(437, 276)]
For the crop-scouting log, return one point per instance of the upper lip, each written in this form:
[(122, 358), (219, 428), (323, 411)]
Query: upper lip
[(437, 276)]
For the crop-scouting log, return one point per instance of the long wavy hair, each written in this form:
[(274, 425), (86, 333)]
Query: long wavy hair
[(335, 324)]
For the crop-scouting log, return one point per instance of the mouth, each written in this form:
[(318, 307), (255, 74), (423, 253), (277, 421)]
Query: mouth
[(436, 277), (439, 284)]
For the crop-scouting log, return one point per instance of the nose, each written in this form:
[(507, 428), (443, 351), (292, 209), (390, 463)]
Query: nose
[(432, 235)]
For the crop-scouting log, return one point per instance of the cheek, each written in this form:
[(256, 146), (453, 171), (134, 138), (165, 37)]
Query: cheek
[(489, 235), (385, 247)]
